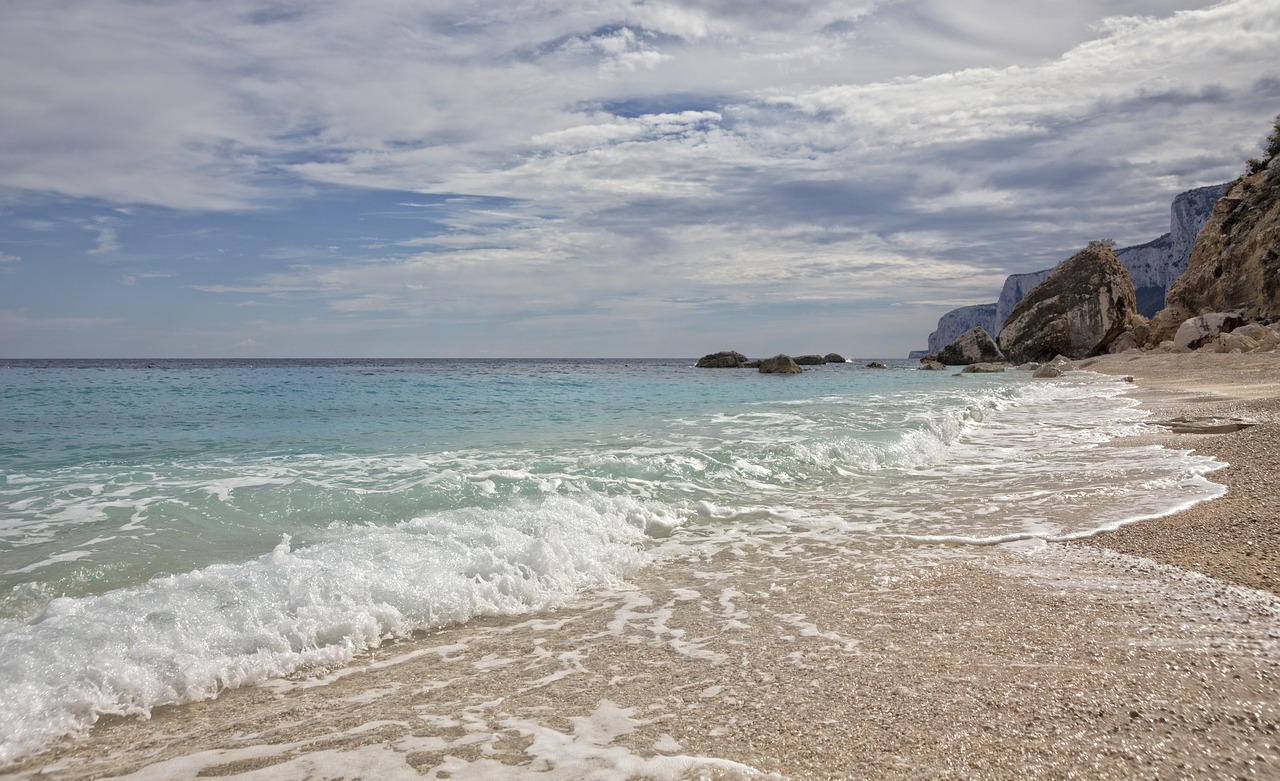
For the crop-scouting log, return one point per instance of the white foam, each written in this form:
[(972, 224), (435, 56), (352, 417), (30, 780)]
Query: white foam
[(186, 637)]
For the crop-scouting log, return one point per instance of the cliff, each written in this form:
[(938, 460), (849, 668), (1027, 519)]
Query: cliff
[(1235, 265), (1153, 267), (958, 321), (1016, 287)]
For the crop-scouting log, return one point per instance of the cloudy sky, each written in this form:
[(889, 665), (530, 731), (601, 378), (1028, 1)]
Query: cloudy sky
[(584, 178)]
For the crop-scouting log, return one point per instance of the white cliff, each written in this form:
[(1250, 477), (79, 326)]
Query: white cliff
[(1153, 267), (958, 321)]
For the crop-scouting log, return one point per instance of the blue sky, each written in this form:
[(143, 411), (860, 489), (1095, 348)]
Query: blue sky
[(588, 178)]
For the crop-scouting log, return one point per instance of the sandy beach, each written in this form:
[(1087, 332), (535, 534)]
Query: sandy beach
[(1148, 652)]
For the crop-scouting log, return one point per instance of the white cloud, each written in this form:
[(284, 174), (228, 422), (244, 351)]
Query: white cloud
[(613, 152)]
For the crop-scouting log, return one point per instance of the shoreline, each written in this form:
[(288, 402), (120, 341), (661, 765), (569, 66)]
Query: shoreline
[(782, 658), (1234, 538)]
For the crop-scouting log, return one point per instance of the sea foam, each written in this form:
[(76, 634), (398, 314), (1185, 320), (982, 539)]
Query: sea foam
[(185, 637)]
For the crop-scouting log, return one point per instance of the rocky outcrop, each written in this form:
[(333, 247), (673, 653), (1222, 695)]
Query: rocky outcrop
[(810, 360), (972, 346), (727, 359), (834, 358), (1235, 266), (957, 321), (1081, 307), (780, 364)]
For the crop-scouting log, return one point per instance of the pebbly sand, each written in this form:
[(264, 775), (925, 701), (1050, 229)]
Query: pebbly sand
[(1149, 652)]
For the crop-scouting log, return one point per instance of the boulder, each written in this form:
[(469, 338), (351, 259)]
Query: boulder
[(780, 364), (1081, 307), (834, 358), (810, 360), (1196, 332), (928, 364), (1047, 371), (983, 368), (727, 359), (972, 346)]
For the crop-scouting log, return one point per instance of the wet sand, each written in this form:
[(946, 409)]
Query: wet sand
[(782, 657), (1235, 538)]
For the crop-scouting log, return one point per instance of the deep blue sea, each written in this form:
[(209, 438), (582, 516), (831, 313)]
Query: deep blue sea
[(174, 528)]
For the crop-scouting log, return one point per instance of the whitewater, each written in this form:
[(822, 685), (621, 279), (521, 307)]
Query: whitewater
[(172, 530)]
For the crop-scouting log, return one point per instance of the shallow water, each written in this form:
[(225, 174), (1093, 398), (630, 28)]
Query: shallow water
[(169, 533)]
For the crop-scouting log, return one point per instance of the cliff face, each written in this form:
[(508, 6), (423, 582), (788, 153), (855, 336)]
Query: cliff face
[(1235, 265), (1153, 267), (1149, 268), (1016, 287), (1189, 214), (958, 321)]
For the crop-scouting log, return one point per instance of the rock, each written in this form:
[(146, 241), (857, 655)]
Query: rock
[(722, 360), (929, 364), (1235, 265), (780, 364), (810, 360), (1206, 425), (876, 365), (1196, 332), (834, 358), (958, 321), (1047, 371), (972, 346), (983, 368), (1080, 308)]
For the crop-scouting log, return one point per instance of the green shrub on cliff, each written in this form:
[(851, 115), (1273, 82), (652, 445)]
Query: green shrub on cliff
[(1273, 149)]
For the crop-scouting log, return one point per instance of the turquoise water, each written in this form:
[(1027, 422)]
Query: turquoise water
[(168, 532)]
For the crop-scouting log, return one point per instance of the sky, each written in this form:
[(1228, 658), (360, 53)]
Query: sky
[(588, 178)]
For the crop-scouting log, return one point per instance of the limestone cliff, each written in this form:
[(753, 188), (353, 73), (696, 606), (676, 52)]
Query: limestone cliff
[(1153, 267), (958, 321), (1016, 287), (1235, 265)]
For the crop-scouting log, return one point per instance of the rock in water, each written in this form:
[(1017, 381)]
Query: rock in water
[(1084, 304), (972, 346), (834, 358), (727, 359), (810, 360), (780, 364)]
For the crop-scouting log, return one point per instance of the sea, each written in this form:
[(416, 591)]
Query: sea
[(173, 530)]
